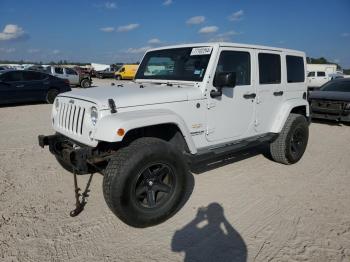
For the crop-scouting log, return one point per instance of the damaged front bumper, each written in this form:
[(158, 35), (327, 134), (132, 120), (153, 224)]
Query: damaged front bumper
[(82, 159)]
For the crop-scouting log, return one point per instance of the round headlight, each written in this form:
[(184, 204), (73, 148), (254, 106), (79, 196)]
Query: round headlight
[(93, 115), (57, 104)]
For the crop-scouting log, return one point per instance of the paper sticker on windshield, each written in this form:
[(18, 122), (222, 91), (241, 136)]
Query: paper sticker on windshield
[(201, 50)]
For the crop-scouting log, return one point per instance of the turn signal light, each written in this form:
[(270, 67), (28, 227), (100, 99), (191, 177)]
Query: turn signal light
[(121, 132)]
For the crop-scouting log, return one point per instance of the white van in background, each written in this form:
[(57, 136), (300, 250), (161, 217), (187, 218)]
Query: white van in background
[(319, 74)]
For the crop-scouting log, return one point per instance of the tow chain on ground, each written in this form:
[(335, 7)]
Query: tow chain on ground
[(80, 199)]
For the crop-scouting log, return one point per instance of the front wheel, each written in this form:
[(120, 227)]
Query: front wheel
[(291, 143), (145, 183), (85, 83), (118, 77), (51, 95)]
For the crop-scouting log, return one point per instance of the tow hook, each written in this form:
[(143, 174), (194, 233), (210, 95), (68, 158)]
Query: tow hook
[(80, 198)]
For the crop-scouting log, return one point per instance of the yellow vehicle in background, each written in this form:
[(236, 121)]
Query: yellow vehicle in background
[(126, 72)]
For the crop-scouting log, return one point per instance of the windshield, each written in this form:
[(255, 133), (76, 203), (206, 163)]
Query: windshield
[(337, 86), (183, 64)]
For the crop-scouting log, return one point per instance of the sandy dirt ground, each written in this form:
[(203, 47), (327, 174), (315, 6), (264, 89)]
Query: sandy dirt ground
[(244, 209)]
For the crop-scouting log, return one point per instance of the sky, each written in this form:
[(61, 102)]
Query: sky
[(121, 31)]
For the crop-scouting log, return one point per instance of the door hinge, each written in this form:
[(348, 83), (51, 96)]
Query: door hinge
[(210, 130), (211, 105)]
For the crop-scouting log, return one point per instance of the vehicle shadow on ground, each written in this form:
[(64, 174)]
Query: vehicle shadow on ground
[(210, 237), (229, 158)]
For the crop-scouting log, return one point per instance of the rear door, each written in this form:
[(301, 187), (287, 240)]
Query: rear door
[(311, 77), (270, 89)]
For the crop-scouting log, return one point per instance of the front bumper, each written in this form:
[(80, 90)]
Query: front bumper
[(79, 158), (331, 110)]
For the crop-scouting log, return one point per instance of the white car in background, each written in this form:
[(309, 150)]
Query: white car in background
[(315, 79)]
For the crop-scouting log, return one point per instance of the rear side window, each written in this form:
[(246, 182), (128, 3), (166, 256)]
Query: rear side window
[(321, 74), (295, 69), (12, 76), (58, 70), (269, 68), (311, 74), (238, 62)]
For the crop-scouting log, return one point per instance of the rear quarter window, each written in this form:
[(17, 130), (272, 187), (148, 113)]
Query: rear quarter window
[(295, 69)]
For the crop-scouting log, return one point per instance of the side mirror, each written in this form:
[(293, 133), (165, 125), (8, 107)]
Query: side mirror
[(223, 79)]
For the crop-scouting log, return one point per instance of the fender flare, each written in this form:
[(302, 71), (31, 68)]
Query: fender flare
[(284, 112), (107, 127)]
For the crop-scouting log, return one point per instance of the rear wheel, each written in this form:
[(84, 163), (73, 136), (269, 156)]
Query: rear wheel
[(291, 143), (51, 95), (145, 183)]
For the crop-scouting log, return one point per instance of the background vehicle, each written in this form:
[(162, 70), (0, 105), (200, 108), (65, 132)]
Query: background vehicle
[(17, 86), (83, 80), (107, 73), (206, 101), (332, 101), (319, 74), (3, 68), (126, 72)]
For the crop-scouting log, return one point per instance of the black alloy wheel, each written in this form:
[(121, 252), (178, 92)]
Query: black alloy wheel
[(154, 186)]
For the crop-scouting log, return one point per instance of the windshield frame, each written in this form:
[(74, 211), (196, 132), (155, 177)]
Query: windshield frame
[(168, 78)]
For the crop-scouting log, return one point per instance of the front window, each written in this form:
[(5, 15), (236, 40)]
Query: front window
[(182, 64)]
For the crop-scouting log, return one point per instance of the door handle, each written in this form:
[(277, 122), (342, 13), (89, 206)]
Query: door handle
[(20, 86), (278, 93), (249, 96)]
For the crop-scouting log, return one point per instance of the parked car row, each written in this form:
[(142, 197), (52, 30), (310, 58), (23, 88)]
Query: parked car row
[(75, 77), (19, 86)]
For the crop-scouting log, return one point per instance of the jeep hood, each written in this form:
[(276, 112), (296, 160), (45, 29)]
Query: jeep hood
[(134, 94)]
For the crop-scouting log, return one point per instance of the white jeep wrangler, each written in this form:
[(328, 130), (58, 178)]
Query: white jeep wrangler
[(203, 100)]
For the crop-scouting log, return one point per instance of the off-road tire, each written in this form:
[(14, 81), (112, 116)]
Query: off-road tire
[(124, 170), (281, 149), (85, 83), (51, 95)]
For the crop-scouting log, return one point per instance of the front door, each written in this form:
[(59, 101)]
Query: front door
[(311, 77), (231, 115), (72, 76)]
